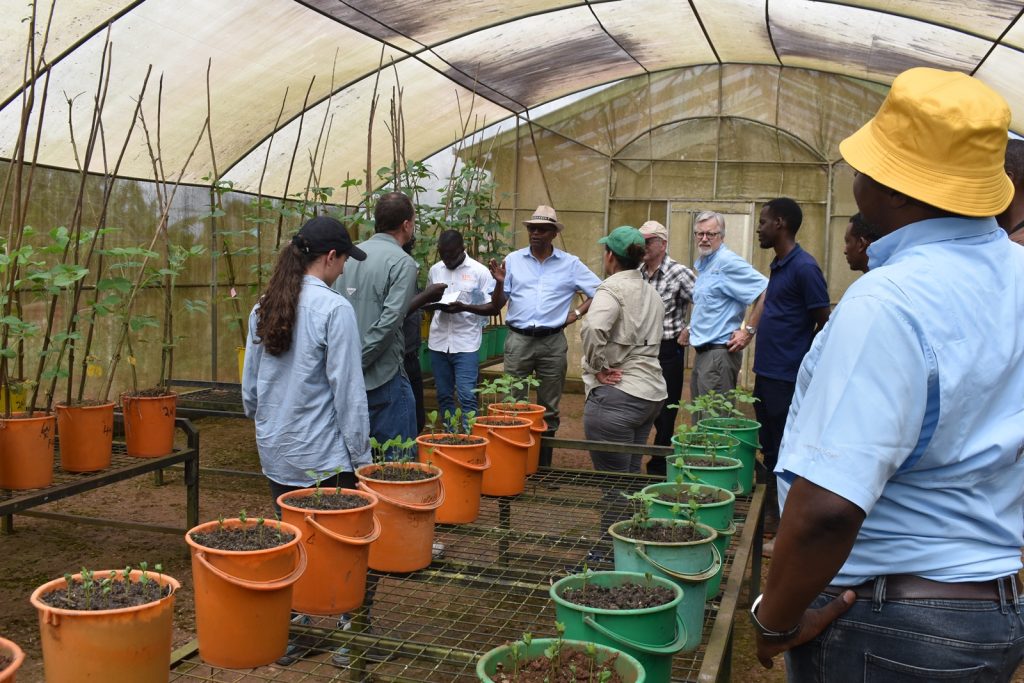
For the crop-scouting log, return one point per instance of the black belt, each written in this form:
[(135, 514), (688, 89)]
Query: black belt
[(910, 587), (709, 347), (535, 331)]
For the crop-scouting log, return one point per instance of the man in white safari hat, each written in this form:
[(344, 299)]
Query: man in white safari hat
[(540, 283), (902, 463)]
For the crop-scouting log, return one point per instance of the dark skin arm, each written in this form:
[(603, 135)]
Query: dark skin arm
[(820, 317), (815, 537), (492, 307), (428, 296)]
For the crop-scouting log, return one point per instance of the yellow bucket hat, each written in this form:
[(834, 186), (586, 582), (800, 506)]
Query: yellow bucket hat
[(939, 137)]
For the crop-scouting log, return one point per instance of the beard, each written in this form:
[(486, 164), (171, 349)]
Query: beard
[(704, 251)]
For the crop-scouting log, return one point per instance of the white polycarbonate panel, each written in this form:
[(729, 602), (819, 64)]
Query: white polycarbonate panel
[(248, 80), (71, 22), (737, 30), (429, 104), (1015, 36), (1001, 71), (639, 26), (542, 57), (986, 18), (864, 43)]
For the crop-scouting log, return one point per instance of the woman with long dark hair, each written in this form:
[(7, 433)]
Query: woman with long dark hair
[(621, 339), (302, 381)]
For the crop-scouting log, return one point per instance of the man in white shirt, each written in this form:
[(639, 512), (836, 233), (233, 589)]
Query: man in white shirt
[(456, 329)]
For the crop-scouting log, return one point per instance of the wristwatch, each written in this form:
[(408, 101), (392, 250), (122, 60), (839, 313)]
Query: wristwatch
[(578, 313), (768, 634), (750, 329)]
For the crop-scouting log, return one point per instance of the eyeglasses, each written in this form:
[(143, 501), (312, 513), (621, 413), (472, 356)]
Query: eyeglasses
[(706, 235), (540, 228)]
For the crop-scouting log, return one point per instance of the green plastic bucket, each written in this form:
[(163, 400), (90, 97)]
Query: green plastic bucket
[(500, 333), (626, 666), (688, 564), (716, 515), (484, 352), (425, 357), (722, 544), (746, 431), (724, 474), (652, 635)]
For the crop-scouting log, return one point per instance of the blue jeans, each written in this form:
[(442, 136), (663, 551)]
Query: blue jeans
[(455, 373), (904, 641), (392, 412)]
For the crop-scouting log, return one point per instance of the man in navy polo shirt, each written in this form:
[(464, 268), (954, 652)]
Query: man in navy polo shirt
[(796, 307)]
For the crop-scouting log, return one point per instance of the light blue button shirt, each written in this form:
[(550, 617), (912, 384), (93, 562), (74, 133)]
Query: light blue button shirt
[(725, 286), (540, 293), (309, 403), (910, 404)]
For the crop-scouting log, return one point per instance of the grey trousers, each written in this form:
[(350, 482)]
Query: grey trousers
[(547, 356), (714, 370), (611, 414)]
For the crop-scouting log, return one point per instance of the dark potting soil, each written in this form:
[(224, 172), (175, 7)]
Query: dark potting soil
[(493, 421), (454, 440), (683, 495), (398, 472), (628, 595), (328, 501), (691, 461), (543, 670), (152, 392), (662, 533), (113, 593), (249, 538)]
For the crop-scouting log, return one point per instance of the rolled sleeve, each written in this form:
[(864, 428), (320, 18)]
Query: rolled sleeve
[(861, 414), (585, 279), (742, 281)]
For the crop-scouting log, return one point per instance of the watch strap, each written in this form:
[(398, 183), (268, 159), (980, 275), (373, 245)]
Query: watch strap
[(766, 633)]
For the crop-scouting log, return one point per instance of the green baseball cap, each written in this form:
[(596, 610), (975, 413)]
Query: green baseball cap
[(619, 239)]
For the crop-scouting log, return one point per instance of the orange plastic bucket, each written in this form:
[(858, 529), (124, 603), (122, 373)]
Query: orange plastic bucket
[(535, 414), (244, 598), (26, 452), (128, 645), (17, 657), (462, 467), (149, 424), (507, 448), (86, 434), (337, 546), (407, 513)]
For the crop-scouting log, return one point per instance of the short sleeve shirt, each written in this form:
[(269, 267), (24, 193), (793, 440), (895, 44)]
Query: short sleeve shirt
[(725, 286)]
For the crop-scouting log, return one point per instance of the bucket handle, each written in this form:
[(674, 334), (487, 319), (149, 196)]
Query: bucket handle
[(341, 538), (670, 649), (540, 428), (438, 450), (272, 585), (716, 564), (512, 442), (415, 507)]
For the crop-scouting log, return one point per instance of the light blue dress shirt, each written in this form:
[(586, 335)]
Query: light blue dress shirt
[(540, 293), (309, 403), (725, 286), (910, 405)]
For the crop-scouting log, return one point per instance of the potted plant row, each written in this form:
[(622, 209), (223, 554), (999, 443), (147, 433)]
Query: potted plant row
[(462, 458)]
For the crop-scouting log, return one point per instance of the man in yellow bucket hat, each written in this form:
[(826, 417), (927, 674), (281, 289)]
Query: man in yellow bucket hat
[(901, 470)]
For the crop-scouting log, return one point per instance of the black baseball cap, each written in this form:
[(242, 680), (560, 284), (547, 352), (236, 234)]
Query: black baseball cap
[(321, 234)]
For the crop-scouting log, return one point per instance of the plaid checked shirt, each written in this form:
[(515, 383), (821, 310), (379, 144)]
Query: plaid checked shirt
[(674, 283)]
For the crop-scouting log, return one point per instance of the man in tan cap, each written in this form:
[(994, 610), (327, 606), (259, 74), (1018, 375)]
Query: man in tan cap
[(902, 465), (674, 284), (540, 283)]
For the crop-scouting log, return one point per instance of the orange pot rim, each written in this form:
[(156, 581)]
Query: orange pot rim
[(433, 469), (91, 406), (370, 496), (424, 440), (16, 653), (235, 521), (527, 409), (22, 416), (523, 422), (405, 505), (49, 586)]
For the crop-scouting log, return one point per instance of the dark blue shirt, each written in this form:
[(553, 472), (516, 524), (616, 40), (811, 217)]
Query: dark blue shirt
[(795, 288)]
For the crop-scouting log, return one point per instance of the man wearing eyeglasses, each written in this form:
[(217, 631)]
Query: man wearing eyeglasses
[(540, 283), (726, 286)]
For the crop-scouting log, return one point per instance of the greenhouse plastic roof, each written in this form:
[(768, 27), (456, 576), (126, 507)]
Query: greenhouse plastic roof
[(290, 78)]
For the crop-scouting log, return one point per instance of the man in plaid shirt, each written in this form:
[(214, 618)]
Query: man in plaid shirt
[(674, 283)]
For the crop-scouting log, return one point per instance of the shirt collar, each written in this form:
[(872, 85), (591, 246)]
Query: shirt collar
[(777, 263), (930, 231), (555, 253)]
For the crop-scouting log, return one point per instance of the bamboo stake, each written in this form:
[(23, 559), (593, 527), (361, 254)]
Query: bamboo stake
[(291, 163)]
